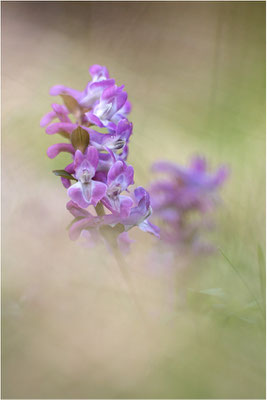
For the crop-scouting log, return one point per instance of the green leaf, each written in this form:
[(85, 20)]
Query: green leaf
[(218, 292), (262, 272), (245, 313), (64, 174), (244, 282), (206, 300), (252, 305)]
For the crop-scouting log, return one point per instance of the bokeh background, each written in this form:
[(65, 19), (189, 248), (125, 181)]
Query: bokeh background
[(195, 74)]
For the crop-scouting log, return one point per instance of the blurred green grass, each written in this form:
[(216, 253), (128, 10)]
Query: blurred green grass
[(195, 74)]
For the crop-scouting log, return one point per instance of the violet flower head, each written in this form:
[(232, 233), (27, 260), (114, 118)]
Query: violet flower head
[(86, 191), (115, 141), (119, 177), (111, 108), (59, 111), (138, 216), (98, 178), (183, 198), (196, 175), (100, 82)]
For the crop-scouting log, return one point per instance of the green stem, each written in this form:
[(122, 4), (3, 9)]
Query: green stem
[(244, 282)]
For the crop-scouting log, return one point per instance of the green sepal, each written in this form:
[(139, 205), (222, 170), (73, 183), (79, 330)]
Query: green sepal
[(64, 174)]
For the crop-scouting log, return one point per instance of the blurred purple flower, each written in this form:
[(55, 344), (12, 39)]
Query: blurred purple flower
[(138, 217), (187, 192), (140, 213)]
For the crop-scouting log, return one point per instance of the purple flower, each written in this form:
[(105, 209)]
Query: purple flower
[(195, 175), (186, 188), (79, 102), (113, 141), (57, 148), (138, 217), (99, 73), (92, 91), (89, 228), (95, 88), (61, 127), (119, 177), (110, 109), (86, 191), (98, 160), (59, 111), (65, 90), (84, 220), (186, 191), (140, 213)]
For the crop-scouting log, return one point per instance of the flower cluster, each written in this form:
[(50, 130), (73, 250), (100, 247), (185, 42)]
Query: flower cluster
[(95, 123), (181, 201)]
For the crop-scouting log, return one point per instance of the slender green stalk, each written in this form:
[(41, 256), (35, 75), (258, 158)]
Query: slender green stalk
[(244, 282)]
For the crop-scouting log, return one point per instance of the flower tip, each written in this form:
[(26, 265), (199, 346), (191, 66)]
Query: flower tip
[(43, 122), (51, 153), (56, 90), (70, 204)]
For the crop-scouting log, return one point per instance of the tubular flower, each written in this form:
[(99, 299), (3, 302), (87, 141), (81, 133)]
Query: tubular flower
[(98, 175)]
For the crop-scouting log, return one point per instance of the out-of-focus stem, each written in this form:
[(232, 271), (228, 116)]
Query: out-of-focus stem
[(109, 236), (127, 278)]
